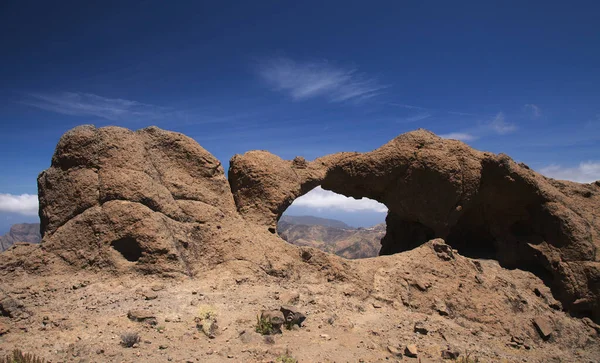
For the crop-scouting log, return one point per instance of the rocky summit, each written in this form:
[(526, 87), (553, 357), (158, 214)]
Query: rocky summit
[(150, 253)]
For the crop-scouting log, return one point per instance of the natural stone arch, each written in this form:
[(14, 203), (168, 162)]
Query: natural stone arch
[(442, 188)]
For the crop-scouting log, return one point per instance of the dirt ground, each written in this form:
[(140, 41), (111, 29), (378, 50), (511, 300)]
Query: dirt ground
[(473, 307)]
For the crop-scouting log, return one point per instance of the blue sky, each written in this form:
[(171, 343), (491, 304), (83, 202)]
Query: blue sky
[(301, 78)]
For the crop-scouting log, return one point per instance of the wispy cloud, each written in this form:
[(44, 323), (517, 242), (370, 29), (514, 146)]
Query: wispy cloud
[(500, 126), (495, 126), (319, 198), (304, 80), (462, 136), (409, 107), (585, 172), (415, 118), (534, 110), (87, 104), (25, 204)]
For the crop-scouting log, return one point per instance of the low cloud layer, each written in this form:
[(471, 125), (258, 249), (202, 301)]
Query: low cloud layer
[(305, 80), (24, 204), (323, 199), (585, 172)]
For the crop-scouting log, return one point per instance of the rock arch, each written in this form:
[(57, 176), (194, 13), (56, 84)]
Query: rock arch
[(481, 203)]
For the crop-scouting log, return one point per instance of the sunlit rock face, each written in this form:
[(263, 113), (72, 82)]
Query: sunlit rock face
[(483, 204)]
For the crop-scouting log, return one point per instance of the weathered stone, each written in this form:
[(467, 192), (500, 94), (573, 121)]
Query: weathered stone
[(150, 295), (208, 325), (543, 327), (142, 316), (395, 351), (12, 308), (420, 328), (441, 307), (591, 324), (450, 354), (411, 351), (420, 285), (292, 315), (443, 251)]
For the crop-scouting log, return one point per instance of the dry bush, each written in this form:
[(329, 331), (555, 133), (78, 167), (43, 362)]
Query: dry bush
[(129, 339), (17, 356)]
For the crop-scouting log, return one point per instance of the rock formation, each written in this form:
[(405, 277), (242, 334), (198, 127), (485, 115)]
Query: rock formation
[(22, 232), (150, 201), (154, 201), (483, 204), (144, 224)]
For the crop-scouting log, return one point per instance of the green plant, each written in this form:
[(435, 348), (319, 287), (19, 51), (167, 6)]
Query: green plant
[(263, 326), (129, 339), (286, 358), (17, 356)]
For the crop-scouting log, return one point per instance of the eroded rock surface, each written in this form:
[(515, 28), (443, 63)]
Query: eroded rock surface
[(483, 204), (154, 201), (150, 201)]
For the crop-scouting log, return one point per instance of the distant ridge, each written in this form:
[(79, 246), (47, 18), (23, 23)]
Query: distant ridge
[(314, 221), (332, 236), (23, 232)]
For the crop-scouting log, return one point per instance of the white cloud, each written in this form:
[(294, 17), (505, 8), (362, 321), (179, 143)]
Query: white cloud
[(318, 79), (319, 198), (409, 107), (500, 126), (25, 204), (585, 172), (415, 118), (87, 104), (462, 136), (535, 110)]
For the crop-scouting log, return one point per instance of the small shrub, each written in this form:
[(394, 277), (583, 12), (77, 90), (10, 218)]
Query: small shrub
[(17, 356), (206, 321), (207, 312), (263, 326), (286, 358), (129, 339), (467, 359)]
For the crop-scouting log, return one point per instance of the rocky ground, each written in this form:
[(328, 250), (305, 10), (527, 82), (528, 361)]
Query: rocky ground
[(430, 298), (144, 236)]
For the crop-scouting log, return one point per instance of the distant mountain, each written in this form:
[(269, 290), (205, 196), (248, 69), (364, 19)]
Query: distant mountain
[(343, 241), (314, 221), (23, 232)]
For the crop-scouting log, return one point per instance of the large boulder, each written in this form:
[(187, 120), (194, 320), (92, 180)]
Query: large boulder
[(483, 204), (150, 201)]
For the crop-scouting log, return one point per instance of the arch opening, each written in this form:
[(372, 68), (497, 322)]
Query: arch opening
[(334, 223)]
